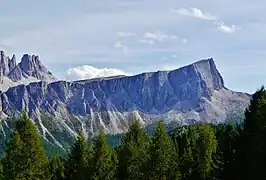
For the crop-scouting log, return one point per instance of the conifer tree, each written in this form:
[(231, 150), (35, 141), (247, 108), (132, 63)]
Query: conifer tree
[(162, 155), (133, 154), (103, 166), (75, 168), (252, 153), (206, 150), (25, 158), (115, 161), (90, 161), (174, 171), (57, 168), (227, 137), (188, 152)]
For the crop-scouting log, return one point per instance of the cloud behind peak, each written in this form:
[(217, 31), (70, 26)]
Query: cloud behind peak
[(90, 72)]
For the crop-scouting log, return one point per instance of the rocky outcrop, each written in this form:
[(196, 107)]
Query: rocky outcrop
[(6, 64), (190, 94), (31, 66), (30, 69), (12, 62)]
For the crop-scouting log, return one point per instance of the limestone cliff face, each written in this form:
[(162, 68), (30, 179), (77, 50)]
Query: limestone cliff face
[(30, 66), (6, 64), (190, 94), (30, 69)]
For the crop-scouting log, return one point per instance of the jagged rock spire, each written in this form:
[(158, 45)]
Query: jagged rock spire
[(30, 68)]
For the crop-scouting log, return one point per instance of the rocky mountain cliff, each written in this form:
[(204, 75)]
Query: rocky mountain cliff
[(30, 69), (60, 109)]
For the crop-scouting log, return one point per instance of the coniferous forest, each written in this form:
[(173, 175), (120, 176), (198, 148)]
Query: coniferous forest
[(195, 152)]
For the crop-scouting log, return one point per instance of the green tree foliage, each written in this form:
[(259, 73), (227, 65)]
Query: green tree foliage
[(25, 157), (174, 171), (90, 161), (77, 160), (206, 150), (162, 155), (227, 137), (252, 150), (133, 154), (103, 167), (188, 151), (57, 168)]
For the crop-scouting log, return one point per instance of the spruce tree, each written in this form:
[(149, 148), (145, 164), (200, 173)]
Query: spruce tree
[(174, 171), (188, 151), (103, 167), (77, 160), (206, 151), (90, 161), (57, 168), (251, 160), (133, 154), (162, 155), (227, 137), (25, 158)]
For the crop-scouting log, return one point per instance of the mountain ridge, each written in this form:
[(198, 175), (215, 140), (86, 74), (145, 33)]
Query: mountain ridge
[(60, 109)]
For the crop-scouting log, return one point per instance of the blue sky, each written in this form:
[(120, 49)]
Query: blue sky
[(140, 35)]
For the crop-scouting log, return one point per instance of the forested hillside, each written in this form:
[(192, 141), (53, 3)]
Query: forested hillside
[(199, 151)]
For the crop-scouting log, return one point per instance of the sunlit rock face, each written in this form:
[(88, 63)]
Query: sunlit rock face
[(194, 93), (30, 69)]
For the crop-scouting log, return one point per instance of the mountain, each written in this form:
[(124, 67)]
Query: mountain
[(60, 109), (30, 69)]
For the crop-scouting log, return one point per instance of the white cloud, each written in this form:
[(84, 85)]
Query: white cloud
[(227, 29), (120, 45), (152, 37), (195, 12), (89, 72), (198, 13), (125, 34), (159, 36)]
